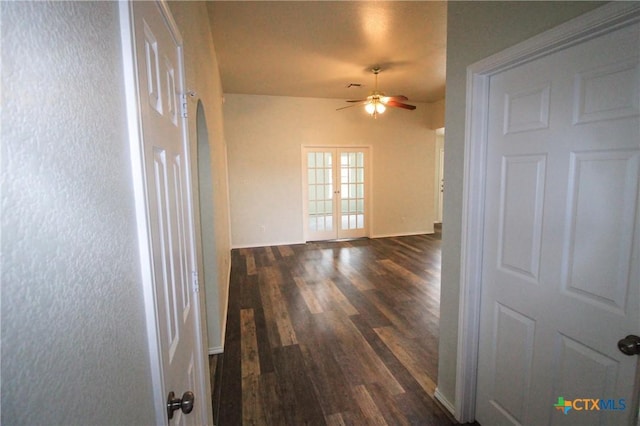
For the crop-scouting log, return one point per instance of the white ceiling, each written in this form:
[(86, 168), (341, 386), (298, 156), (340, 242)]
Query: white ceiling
[(317, 48)]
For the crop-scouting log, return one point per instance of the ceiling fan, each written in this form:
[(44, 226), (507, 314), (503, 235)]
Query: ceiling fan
[(377, 102)]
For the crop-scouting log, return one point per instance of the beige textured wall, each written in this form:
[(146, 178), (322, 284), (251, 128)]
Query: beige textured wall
[(74, 345), (73, 317), (476, 30), (265, 135)]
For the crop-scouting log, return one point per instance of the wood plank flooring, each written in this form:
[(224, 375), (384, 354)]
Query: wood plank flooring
[(332, 333)]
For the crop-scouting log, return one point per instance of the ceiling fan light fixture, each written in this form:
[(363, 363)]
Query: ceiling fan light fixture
[(370, 107), (377, 102)]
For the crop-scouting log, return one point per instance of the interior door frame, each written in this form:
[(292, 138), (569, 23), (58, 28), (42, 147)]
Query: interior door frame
[(367, 187), (600, 21), (439, 175), (136, 146)]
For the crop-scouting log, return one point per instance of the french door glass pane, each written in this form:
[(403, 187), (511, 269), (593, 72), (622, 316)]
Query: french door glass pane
[(352, 190), (320, 189)]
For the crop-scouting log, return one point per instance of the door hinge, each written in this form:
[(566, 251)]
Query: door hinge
[(196, 284), (183, 103)]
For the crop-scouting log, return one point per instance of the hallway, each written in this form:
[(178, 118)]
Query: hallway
[(332, 333)]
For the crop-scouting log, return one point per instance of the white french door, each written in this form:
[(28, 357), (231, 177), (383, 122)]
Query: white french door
[(335, 192)]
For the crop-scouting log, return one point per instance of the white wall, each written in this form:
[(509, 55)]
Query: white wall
[(437, 115), (203, 78), (265, 135), (475, 30), (74, 346)]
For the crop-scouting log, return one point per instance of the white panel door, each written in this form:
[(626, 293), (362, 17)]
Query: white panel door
[(561, 281), (166, 164), (335, 188)]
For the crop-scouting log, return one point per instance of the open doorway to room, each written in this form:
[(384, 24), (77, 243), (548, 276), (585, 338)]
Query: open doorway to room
[(335, 332)]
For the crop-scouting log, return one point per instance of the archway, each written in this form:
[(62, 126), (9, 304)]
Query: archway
[(206, 234)]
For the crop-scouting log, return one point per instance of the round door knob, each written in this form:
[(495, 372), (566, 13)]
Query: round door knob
[(185, 403), (630, 345)]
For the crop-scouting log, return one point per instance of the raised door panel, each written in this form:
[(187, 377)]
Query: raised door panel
[(603, 191), (512, 351), (581, 375), (521, 205)]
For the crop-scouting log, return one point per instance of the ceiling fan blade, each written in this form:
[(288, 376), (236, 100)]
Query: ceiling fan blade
[(350, 106), (397, 98), (400, 105), (356, 100)]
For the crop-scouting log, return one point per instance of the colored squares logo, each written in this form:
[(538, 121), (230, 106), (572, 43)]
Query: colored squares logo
[(563, 405), (590, 404)]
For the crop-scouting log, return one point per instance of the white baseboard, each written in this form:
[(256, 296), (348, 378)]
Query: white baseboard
[(408, 234), (445, 402), (267, 244), (289, 243)]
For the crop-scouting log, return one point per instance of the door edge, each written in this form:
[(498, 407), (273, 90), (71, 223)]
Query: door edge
[(127, 38)]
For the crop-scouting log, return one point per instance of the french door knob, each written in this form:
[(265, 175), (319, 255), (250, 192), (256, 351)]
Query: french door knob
[(185, 404), (630, 345)]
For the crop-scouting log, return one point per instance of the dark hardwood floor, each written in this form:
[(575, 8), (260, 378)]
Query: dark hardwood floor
[(335, 333)]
